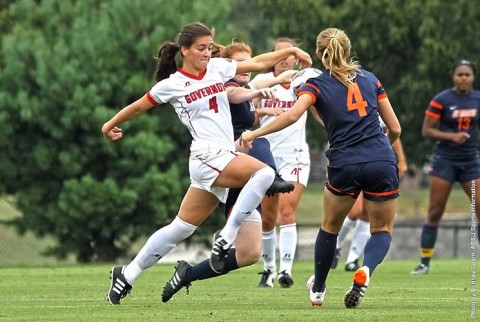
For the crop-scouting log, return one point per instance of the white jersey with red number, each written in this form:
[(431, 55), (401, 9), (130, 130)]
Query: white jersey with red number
[(201, 103), (291, 139)]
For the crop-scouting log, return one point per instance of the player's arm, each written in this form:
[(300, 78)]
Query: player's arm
[(430, 130), (390, 119), (315, 115), (280, 122), (239, 94), (401, 159), (110, 129), (284, 78), (265, 61)]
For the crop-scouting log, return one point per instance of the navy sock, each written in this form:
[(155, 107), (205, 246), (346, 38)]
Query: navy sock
[(427, 243), (376, 249), (202, 270), (261, 151), (325, 247)]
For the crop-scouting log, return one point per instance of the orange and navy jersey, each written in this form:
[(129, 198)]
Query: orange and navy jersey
[(456, 113), (351, 117)]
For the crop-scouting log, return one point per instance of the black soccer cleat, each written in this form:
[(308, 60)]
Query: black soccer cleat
[(119, 287), (266, 279), (219, 253), (284, 279), (177, 281), (352, 266), (279, 186)]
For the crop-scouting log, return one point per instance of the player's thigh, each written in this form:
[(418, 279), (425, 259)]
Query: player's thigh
[(288, 204), (197, 205), (238, 171), (381, 214), (335, 209), (269, 212), (440, 189)]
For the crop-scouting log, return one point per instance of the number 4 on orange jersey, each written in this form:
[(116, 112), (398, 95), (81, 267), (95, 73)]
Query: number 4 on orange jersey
[(355, 100)]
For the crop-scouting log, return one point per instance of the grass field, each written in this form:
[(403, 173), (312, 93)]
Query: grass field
[(78, 294)]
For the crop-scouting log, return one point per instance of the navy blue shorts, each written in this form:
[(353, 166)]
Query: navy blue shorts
[(378, 180), (455, 171)]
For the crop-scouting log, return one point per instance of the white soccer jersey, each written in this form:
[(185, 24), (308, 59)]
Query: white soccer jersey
[(292, 138), (201, 103)]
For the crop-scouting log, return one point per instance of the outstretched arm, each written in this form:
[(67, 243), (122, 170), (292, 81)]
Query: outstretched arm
[(265, 61), (111, 131), (284, 78), (280, 122)]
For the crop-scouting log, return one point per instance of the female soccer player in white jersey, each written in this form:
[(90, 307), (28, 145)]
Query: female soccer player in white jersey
[(292, 158), (197, 92)]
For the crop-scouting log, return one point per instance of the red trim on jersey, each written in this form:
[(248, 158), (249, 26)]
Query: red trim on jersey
[(199, 77), (431, 114), (385, 193), (436, 105), (313, 97), (232, 84), (150, 99), (382, 96), (313, 87)]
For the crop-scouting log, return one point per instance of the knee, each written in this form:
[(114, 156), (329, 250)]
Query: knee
[(435, 215), (247, 257)]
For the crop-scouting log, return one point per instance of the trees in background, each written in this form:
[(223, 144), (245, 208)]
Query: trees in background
[(410, 45), (68, 66)]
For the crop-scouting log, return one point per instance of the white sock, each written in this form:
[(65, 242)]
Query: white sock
[(248, 199), (157, 246), (346, 227), (361, 234), (269, 242), (287, 245)]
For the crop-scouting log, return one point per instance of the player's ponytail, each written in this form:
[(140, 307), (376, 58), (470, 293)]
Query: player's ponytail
[(166, 64), (333, 49)]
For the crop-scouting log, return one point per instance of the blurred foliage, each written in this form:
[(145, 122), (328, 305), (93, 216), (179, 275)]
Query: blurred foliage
[(410, 45), (68, 66)]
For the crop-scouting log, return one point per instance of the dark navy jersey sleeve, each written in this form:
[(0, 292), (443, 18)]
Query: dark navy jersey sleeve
[(456, 113), (243, 114), (351, 118)]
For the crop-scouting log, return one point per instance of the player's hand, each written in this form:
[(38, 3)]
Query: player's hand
[(273, 111), (267, 93), (303, 58), (246, 139), (286, 76), (460, 137), (112, 134)]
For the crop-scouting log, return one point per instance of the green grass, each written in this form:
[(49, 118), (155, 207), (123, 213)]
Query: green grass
[(78, 294)]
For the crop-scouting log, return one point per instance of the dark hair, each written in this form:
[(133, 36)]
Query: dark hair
[(166, 64), (284, 39), (463, 62)]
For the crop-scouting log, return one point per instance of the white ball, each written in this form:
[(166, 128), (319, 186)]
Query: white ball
[(310, 282), (301, 77)]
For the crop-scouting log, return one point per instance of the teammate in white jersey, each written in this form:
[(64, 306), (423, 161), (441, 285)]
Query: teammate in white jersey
[(292, 158), (197, 92)]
